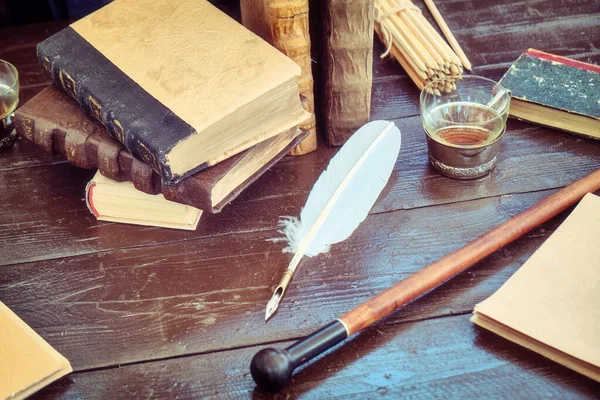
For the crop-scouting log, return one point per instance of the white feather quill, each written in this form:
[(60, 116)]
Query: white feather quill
[(341, 198)]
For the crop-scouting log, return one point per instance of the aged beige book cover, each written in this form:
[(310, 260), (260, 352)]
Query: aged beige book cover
[(551, 305), (181, 84), (27, 362)]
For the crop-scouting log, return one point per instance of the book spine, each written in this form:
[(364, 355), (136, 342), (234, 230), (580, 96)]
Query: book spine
[(75, 85), (347, 64), (41, 132), (86, 150), (132, 116), (284, 24)]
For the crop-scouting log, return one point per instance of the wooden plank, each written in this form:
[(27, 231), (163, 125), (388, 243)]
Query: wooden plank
[(493, 34), (44, 215), (25, 154), (527, 161), (61, 226), (193, 296), (496, 34), (441, 358)]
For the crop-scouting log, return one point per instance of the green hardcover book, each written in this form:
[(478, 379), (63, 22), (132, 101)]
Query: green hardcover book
[(555, 91), (182, 85)]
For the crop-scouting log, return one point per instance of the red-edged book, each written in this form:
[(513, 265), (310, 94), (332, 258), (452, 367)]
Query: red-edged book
[(55, 122), (555, 91)]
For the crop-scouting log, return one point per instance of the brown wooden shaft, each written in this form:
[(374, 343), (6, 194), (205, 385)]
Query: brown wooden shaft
[(456, 262)]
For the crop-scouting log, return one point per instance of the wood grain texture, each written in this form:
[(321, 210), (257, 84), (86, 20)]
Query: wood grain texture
[(346, 65), (284, 24), (186, 308), (189, 296), (63, 227), (476, 250), (439, 358)]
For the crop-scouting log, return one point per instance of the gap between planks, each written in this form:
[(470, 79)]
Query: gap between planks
[(262, 344), (258, 230)]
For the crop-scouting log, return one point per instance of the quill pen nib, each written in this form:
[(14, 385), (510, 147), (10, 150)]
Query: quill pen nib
[(278, 294), (273, 304)]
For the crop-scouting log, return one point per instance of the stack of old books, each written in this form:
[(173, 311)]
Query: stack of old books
[(192, 108)]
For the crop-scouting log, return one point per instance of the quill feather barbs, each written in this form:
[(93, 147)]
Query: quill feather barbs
[(342, 196)]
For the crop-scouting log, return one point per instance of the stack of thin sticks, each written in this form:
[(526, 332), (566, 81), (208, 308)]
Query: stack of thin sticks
[(417, 46)]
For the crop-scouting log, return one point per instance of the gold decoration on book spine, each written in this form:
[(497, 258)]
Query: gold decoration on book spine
[(68, 83), (95, 107)]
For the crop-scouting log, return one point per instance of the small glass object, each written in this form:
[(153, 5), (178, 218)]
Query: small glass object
[(464, 119), (9, 98)]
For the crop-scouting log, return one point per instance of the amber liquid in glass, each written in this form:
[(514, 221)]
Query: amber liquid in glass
[(464, 124), (465, 136)]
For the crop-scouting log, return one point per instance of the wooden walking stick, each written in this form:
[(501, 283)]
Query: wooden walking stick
[(272, 368)]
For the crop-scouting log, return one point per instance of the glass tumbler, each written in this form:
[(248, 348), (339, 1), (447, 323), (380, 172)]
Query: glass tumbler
[(464, 120), (9, 98)]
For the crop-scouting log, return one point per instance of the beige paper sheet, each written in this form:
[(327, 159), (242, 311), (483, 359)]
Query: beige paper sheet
[(27, 362), (191, 57), (554, 298)]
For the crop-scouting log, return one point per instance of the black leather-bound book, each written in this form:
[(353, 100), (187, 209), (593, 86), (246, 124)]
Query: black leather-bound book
[(55, 123), (182, 85)]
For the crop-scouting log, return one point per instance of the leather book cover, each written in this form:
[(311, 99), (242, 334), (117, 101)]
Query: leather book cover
[(54, 121), (173, 80), (544, 85), (346, 61)]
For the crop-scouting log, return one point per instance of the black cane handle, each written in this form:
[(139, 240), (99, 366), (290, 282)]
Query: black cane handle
[(273, 368)]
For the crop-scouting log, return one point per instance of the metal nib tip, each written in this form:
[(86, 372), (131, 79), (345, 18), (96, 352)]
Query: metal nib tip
[(272, 305)]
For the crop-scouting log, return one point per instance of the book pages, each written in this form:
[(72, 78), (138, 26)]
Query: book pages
[(27, 362), (551, 304)]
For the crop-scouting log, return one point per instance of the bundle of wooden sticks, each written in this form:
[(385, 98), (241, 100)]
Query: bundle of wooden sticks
[(417, 46)]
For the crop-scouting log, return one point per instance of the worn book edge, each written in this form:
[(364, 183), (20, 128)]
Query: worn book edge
[(90, 146), (63, 365), (556, 118), (546, 114), (574, 363), (126, 190)]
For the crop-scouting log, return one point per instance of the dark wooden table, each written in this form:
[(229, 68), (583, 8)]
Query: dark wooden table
[(147, 312)]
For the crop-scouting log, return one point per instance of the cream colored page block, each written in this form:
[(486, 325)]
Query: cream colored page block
[(560, 357), (555, 296), (257, 156), (25, 358), (195, 60)]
